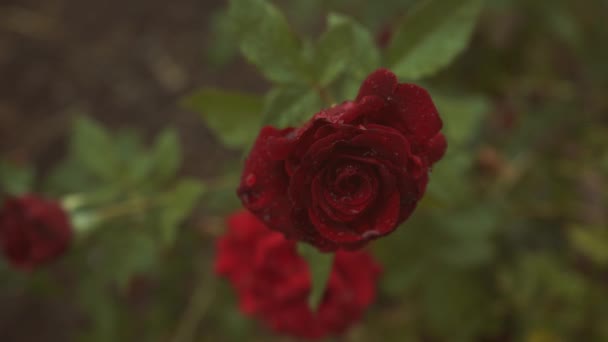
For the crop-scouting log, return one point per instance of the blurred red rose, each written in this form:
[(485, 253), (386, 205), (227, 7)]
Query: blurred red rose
[(273, 281), (350, 174), (33, 231)]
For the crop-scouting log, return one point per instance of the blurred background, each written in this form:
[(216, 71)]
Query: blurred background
[(512, 242)]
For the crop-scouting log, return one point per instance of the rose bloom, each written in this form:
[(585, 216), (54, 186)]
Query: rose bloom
[(273, 282), (353, 172), (33, 231)]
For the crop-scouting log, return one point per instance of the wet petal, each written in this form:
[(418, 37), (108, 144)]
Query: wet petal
[(436, 148), (381, 82), (417, 110), (263, 188)]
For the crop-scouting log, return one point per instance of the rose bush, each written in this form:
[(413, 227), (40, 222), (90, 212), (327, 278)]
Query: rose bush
[(350, 174), (33, 231), (273, 281)]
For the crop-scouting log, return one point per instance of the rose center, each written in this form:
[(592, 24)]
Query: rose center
[(348, 182), (351, 185)]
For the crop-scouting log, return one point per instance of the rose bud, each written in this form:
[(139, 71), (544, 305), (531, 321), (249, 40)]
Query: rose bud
[(33, 231), (273, 282), (353, 172)]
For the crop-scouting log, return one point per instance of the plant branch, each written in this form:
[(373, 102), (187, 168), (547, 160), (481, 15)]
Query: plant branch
[(197, 308)]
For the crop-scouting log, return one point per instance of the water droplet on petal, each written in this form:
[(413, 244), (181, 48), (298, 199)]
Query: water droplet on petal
[(370, 234), (250, 180)]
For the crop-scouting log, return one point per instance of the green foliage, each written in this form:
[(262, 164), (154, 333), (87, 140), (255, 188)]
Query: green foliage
[(267, 41), (346, 45), (231, 115), (432, 36), (364, 54), (166, 155), (285, 107), (333, 51), (14, 179), (462, 116), (319, 265), (176, 205), (93, 148), (140, 196)]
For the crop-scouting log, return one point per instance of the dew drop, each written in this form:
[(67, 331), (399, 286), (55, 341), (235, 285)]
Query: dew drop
[(250, 180), (370, 234)]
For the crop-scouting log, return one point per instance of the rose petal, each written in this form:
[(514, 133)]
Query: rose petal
[(385, 220), (436, 149), (381, 82), (263, 188), (418, 112), (344, 207), (332, 231), (385, 143), (365, 110)]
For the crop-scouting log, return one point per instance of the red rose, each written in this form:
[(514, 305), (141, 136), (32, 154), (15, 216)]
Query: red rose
[(353, 172), (273, 281), (33, 231)]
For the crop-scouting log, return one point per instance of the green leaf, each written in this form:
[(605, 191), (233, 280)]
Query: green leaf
[(93, 148), (320, 265), (176, 205), (363, 53), (15, 179), (461, 116), (432, 36), (290, 106), (232, 116), (346, 45), (166, 155), (267, 41), (333, 51)]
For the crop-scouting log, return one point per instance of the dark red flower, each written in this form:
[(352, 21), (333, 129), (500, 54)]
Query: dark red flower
[(273, 281), (33, 231), (353, 172)]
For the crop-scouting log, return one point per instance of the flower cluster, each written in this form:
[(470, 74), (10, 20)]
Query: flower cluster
[(273, 282), (350, 174)]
